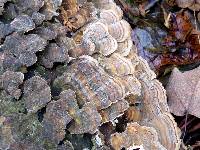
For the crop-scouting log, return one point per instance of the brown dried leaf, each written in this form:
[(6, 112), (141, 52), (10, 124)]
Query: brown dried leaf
[(179, 46), (75, 15), (181, 25), (183, 92)]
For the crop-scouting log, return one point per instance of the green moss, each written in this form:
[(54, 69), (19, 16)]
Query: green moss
[(47, 144), (61, 69), (28, 128), (9, 105), (129, 1), (41, 71), (22, 69), (80, 141)]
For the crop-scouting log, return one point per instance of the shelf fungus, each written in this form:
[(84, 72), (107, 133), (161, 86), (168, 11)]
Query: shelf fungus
[(36, 93), (86, 120), (136, 135), (124, 47), (50, 8), (93, 84), (22, 23), (19, 50), (120, 30), (53, 54), (109, 81), (111, 15), (10, 82), (56, 118), (88, 90)]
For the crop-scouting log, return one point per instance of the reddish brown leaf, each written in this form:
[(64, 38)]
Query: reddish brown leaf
[(180, 25)]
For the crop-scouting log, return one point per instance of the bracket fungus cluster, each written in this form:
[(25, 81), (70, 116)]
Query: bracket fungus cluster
[(103, 82)]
